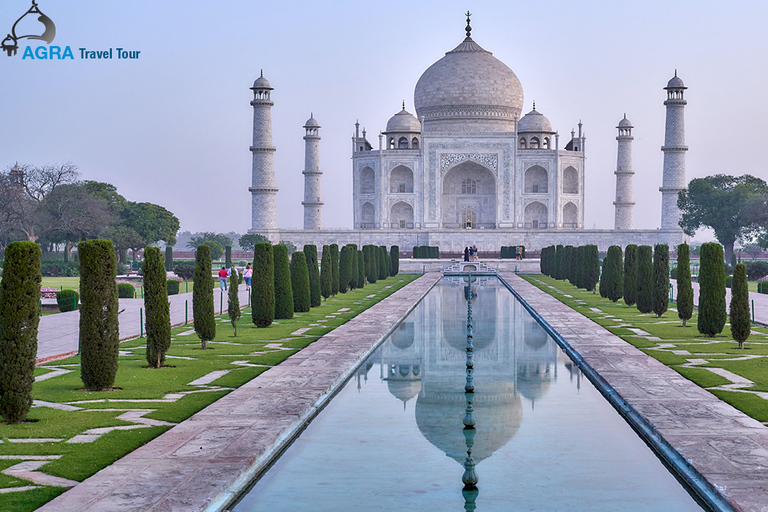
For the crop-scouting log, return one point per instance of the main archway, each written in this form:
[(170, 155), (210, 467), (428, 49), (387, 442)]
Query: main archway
[(469, 192)]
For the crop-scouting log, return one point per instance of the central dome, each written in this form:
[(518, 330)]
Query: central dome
[(468, 90)]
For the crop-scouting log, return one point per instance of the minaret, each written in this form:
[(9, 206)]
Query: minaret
[(263, 190), (624, 203), (313, 206), (674, 154)]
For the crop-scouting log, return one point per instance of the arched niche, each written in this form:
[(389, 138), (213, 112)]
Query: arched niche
[(570, 181), (536, 180), (401, 180), (367, 181), (401, 215), (570, 216), (367, 216), (535, 216)]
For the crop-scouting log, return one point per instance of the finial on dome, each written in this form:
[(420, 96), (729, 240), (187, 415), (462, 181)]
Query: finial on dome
[(675, 71), (534, 104), (403, 104), (469, 28), (625, 115), (262, 73)]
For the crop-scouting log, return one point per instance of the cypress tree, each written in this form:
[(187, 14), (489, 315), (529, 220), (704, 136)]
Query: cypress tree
[(660, 279), (19, 303), (233, 301), (684, 288), (228, 256), (560, 262), (570, 263), (371, 270), (99, 329), (344, 269), (300, 282), (592, 266), (383, 262), (394, 260), (644, 294), (581, 266), (360, 268), (335, 268), (711, 319), (630, 275), (156, 307), (263, 285), (326, 273), (315, 295), (614, 274), (283, 290), (168, 258), (603, 286), (739, 308), (203, 308), (353, 266)]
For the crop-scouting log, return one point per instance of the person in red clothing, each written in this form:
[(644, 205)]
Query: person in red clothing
[(223, 278)]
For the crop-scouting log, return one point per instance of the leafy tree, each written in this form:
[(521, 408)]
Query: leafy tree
[(19, 303), (394, 260), (326, 273), (739, 308), (630, 275), (712, 316), (99, 329), (753, 250), (644, 279), (684, 287), (360, 268), (157, 308), (247, 242), (290, 245), (335, 268), (283, 289), (614, 274), (209, 236), (263, 285), (733, 206), (300, 282), (233, 301), (592, 267), (315, 295), (660, 279), (185, 270), (215, 248), (203, 308)]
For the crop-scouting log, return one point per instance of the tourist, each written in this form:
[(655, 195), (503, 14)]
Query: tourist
[(223, 278), (466, 254), (247, 274)]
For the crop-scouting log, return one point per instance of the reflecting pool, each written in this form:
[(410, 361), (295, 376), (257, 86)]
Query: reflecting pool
[(396, 436)]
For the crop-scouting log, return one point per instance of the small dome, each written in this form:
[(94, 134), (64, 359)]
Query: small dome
[(534, 121), (625, 123), (675, 83), (311, 122), (261, 83), (403, 121)]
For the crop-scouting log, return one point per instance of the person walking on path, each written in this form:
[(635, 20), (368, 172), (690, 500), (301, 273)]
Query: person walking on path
[(466, 254), (223, 275), (247, 275)]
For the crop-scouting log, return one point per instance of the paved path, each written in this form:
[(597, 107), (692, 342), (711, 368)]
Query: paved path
[(205, 460), (58, 334)]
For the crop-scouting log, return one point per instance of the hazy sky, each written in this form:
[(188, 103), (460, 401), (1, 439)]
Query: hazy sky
[(174, 126)]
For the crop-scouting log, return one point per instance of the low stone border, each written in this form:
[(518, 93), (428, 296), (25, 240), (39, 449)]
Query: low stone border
[(725, 446), (205, 461)]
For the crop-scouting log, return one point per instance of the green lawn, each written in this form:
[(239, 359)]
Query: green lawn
[(53, 427), (681, 348)]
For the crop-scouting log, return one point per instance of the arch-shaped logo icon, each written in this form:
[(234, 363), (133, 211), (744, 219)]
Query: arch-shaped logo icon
[(10, 43)]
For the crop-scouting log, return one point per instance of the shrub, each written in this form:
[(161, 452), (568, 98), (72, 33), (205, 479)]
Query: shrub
[(126, 291), (283, 290), (335, 269), (233, 301), (172, 286), (19, 303), (69, 299), (756, 270), (263, 285), (761, 287), (394, 260), (673, 273), (644, 294), (326, 273), (203, 309), (711, 319), (360, 268), (185, 270), (300, 282), (60, 269), (157, 308), (739, 310), (660, 279), (684, 288), (614, 274), (168, 258), (99, 329), (728, 281), (315, 295), (630, 275)]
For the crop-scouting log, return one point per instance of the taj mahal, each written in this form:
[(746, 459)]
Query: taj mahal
[(468, 168)]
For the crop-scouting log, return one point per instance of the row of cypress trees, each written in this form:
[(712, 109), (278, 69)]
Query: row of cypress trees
[(579, 265)]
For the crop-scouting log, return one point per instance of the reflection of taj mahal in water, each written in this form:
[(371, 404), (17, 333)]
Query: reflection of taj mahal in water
[(423, 364), (468, 168)]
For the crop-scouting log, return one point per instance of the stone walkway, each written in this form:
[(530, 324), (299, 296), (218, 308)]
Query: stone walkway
[(58, 334), (203, 462), (727, 447)]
